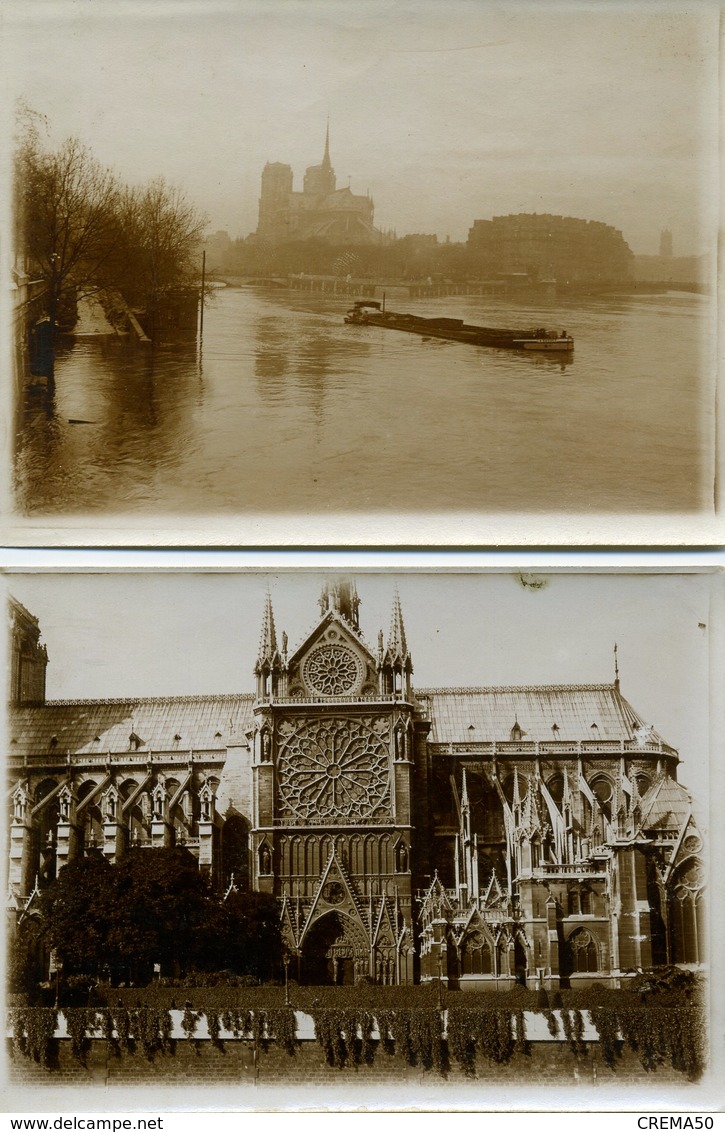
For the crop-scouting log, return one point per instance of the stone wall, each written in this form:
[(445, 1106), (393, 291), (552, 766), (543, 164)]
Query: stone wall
[(233, 1064)]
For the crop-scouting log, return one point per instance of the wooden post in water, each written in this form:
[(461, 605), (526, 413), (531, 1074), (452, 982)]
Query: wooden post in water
[(201, 315)]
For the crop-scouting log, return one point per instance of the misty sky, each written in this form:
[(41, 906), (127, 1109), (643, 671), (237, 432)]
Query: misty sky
[(176, 634), (445, 112)]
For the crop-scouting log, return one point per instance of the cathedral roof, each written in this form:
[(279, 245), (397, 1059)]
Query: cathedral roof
[(544, 713), (95, 727), (666, 805), (209, 723)]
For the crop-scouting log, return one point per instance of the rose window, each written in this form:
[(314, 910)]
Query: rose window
[(332, 670), (334, 770)]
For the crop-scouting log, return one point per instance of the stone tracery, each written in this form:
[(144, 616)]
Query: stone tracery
[(334, 769)]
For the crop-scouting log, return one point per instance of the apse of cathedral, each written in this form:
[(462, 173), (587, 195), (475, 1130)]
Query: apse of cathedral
[(487, 836), (321, 211)]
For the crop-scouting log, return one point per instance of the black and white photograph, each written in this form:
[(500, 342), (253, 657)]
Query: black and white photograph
[(298, 838), (303, 272)]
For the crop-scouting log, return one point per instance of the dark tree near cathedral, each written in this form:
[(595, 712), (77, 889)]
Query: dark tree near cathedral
[(243, 935), (155, 910), (77, 911), (162, 904)]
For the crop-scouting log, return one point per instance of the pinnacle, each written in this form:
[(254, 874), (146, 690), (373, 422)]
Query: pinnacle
[(267, 636), (397, 644)]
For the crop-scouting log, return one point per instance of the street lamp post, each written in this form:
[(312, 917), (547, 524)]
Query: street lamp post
[(441, 952), (285, 960)]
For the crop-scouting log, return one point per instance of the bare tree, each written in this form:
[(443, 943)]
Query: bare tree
[(68, 204), (85, 232), (161, 234)]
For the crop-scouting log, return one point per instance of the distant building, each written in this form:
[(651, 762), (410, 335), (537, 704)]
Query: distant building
[(489, 835), (217, 246), (321, 211), (564, 248), (685, 269), (666, 242)]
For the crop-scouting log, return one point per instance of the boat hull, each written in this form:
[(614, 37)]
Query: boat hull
[(455, 330), (553, 345)]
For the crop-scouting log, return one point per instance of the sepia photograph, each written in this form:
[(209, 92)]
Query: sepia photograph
[(303, 272), (296, 839)]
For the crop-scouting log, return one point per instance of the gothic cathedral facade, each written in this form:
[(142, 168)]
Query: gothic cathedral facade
[(486, 836)]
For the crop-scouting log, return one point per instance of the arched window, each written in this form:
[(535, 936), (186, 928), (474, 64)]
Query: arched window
[(602, 788), (555, 786), (298, 857), (508, 786), (643, 782), (313, 857), (357, 861), (686, 905), (583, 952), (476, 956)]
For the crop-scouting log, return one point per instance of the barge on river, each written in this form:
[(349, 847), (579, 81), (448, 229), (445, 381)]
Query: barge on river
[(367, 313)]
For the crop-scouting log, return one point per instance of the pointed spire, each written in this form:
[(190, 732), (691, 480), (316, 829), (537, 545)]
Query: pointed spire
[(616, 667), (397, 644), (341, 595), (326, 165), (267, 636), (464, 792)]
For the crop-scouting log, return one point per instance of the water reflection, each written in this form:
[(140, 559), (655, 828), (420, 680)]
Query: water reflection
[(349, 411), (271, 359)]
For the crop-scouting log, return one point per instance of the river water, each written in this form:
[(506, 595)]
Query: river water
[(285, 408)]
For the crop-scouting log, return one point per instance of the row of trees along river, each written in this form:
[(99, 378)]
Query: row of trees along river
[(86, 233)]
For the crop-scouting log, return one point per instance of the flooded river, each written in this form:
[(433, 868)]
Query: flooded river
[(287, 409)]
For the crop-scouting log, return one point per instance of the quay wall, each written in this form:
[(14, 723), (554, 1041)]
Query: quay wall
[(234, 1063), (198, 1060)]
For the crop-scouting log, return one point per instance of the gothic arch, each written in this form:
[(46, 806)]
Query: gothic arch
[(582, 953), (602, 787), (265, 860), (91, 821), (555, 786), (312, 857), (643, 780), (476, 953), (297, 856), (687, 912), (508, 785), (335, 950), (357, 855)]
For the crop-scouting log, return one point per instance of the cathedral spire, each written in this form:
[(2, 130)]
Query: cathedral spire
[(326, 163), (397, 644), (397, 666), (267, 636), (340, 594)]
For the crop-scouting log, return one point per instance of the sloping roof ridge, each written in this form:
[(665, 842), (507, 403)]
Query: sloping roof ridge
[(333, 614), (150, 699), (457, 691)]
